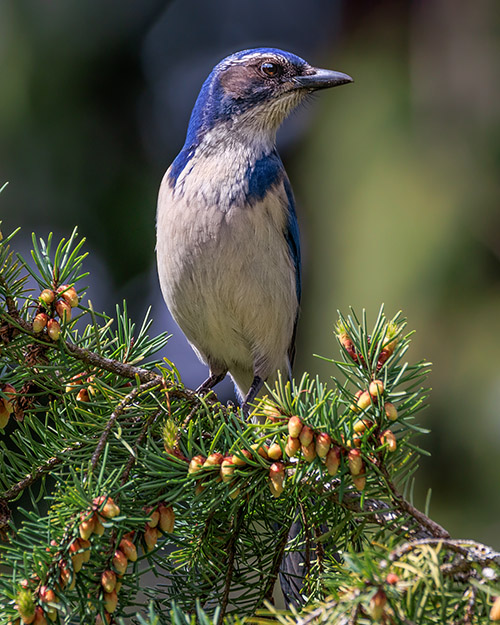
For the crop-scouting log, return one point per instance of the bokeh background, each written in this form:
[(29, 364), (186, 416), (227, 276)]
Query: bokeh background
[(396, 179)]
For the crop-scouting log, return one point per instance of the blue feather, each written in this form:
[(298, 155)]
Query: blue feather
[(263, 175)]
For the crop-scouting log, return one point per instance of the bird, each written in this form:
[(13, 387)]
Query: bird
[(228, 247)]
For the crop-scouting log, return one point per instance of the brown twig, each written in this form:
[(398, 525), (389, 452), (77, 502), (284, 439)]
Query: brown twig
[(37, 473), (119, 410)]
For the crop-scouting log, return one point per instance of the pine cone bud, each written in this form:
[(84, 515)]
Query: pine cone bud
[(292, 447), (69, 294), (390, 411), (63, 309), (154, 517), (362, 425), (40, 321), (25, 606), (359, 482), (274, 452), (495, 610), (195, 464), (98, 526), (276, 478), (83, 395), (151, 537), (87, 525), (377, 604), (227, 470), (53, 329), (355, 462), (332, 460), (167, 518), (294, 426), (309, 452), (66, 577), (364, 401), (388, 438), (306, 436), (261, 449), (76, 554), (240, 458), (109, 509), (110, 601), (47, 296), (323, 443), (214, 460), (85, 547), (392, 579), (129, 549), (4, 413), (271, 410), (39, 616), (376, 389), (120, 562), (108, 581)]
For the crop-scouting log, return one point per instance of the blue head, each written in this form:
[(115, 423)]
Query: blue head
[(259, 87)]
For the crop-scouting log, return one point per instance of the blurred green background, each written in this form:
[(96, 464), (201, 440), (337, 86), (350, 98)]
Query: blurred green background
[(396, 179)]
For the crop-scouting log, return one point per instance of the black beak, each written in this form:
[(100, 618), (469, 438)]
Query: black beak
[(321, 79)]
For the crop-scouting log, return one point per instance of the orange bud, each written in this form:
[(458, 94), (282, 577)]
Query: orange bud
[(110, 601), (47, 296), (53, 329), (294, 426), (364, 401), (85, 546), (151, 537), (355, 462), (323, 443), (47, 595), (361, 425), (495, 610), (66, 577), (306, 436), (309, 452), (261, 449), (83, 395), (39, 617), (390, 411), (98, 526), (63, 309), (76, 555), (227, 470), (274, 452), (376, 389), (100, 621), (377, 604), (359, 481), (153, 518), (214, 460), (195, 464), (392, 578), (276, 478), (332, 460), (87, 525), (167, 518), (40, 321), (69, 294), (4, 413), (240, 457), (120, 562), (107, 507), (108, 580), (129, 549), (292, 447), (388, 438), (271, 410)]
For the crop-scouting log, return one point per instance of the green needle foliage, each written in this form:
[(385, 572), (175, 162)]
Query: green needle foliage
[(127, 498)]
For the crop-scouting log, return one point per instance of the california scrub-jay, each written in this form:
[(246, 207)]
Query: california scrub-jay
[(227, 233)]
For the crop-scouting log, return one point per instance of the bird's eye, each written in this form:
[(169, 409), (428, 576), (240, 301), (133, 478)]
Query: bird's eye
[(272, 70)]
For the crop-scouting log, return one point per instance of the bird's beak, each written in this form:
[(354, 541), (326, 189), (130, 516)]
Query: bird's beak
[(321, 79)]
